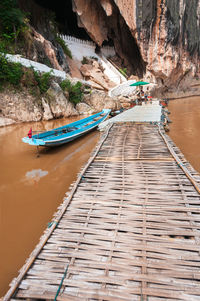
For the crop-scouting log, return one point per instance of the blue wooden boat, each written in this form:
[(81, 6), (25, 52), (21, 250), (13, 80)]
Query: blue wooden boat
[(67, 132)]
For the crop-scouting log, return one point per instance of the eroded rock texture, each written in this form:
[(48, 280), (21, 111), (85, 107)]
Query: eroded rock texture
[(156, 38), (104, 22)]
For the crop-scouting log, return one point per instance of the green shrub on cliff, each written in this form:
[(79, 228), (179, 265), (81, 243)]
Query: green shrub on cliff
[(10, 72), (123, 71), (11, 17), (12, 22), (85, 60), (65, 48), (19, 76), (75, 91), (43, 80)]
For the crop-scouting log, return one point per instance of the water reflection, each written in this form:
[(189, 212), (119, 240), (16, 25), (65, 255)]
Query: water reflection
[(36, 175)]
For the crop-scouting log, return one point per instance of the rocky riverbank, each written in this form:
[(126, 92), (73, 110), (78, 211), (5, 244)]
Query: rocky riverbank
[(22, 106)]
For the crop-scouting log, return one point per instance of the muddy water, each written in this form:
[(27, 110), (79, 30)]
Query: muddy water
[(185, 129), (31, 189)]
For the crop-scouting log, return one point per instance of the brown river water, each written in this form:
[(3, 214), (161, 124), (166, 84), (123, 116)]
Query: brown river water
[(185, 127), (32, 188)]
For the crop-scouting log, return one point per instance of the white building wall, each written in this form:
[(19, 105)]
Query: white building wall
[(35, 65), (80, 48)]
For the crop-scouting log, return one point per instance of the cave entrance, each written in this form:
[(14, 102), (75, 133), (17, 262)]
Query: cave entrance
[(65, 18)]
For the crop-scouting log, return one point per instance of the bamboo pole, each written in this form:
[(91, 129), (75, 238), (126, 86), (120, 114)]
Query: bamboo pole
[(180, 164)]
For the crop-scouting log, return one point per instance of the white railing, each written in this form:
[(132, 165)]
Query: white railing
[(80, 49), (73, 42)]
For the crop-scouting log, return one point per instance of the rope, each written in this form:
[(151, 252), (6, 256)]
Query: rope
[(61, 283)]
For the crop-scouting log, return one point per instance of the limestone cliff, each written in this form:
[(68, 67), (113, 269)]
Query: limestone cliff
[(156, 38)]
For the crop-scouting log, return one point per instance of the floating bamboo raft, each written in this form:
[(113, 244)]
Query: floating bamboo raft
[(129, 229)]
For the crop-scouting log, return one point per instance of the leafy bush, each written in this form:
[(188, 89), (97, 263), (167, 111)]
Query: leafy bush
[(11, 17), (43, 80), (12, 22), (65, 48), (15, 74), (10, 72), (123, 71), (85, 60), (75, 91)]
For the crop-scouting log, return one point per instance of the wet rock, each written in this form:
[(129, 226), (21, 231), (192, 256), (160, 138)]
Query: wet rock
[(6, 121)]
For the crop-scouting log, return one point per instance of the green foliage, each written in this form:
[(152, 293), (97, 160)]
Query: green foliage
[(94, 58), (64, 46), (18, 76), (12, 23), (43, 80), (75, 91), (85, 60), (123, 71), (10, 72), (11, 17)]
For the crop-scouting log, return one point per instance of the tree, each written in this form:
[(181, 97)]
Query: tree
[(11, 19)]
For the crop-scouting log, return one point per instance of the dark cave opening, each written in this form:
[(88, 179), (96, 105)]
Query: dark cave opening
[(61, 12), (109, 42), (125, 44), (65, 18)]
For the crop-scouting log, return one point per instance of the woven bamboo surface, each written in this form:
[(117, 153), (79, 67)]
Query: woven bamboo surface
[(130, 232)]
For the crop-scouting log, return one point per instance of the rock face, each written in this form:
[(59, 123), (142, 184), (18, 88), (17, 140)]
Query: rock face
[(103, 21), (93, 71), (23, 107), (99, 100), (60, 106), (157, 38), (41, 45), (84, 108), (19, 106)]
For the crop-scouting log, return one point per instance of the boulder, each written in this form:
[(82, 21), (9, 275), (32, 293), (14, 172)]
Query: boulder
[(84, 108), (60, 106), (125, 102), (47, 115), (24, 107), (99, 100), (20, 106), (95, 72), (6, 121)]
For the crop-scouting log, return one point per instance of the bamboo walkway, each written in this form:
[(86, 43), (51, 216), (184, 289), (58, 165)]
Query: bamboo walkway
[(129, 229)]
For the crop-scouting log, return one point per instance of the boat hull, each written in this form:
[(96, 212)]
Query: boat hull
[(56, 143), (67, 133)]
